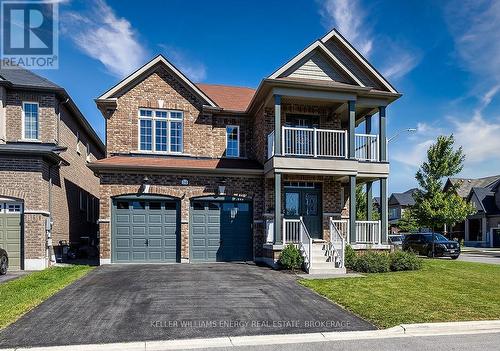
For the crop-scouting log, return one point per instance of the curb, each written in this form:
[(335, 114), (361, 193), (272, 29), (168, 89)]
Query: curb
[(400, 331)]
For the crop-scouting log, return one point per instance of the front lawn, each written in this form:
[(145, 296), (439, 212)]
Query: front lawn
[(443, 290), (21, 295)]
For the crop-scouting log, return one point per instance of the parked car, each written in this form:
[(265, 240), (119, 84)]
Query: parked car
[(396, 240), (4, 261), (422, 244)]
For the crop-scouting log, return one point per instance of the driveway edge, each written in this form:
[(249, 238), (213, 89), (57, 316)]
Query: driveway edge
[(403, 330)]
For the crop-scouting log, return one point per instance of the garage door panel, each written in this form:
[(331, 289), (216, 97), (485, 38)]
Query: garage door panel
[(123, 243), (198, 219), (145, 231), (10, 237)]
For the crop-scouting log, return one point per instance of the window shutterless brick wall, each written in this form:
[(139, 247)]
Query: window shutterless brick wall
[(204, 134), (120, 184), (27, 178)]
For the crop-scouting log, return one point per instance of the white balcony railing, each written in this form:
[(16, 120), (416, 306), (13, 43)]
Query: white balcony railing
[(367, 232), (314, 142), (366, 147)]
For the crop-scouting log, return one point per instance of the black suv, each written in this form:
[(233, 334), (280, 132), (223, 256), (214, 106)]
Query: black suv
[(421, 244)]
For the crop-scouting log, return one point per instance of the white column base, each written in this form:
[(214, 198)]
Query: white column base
[(103, 261), (184, 260), (35, 264)]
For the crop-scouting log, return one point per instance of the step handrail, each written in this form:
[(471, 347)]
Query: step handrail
[(337, 241), (306, 244)]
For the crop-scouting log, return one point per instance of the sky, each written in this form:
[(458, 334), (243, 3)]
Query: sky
[(443, 56)]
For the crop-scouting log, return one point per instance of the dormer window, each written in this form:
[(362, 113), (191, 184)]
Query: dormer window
[(160, 131), (30, 121)]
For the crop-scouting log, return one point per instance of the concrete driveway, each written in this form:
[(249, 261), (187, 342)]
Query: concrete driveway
[(121, 303), (11, 275)]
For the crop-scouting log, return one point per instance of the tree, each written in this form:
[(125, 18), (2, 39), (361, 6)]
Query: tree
[(435, 207), (361, 206), (408, 223)]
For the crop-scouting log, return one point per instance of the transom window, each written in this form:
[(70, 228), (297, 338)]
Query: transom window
[(30, 120), (232, 141), (160, 130)]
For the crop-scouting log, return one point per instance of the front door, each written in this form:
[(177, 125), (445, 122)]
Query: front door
[(305, 202), (496, 237)]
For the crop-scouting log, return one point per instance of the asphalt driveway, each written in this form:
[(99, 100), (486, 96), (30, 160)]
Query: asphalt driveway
[(120, 303)]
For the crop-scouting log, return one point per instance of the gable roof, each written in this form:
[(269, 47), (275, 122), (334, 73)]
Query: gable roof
[(158, 60), (484, 199), (467, 184), (406, 198), (317, 45), (334, 33), (228, 97)]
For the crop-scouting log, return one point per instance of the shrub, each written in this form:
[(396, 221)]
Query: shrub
[(405, 261), (350, 257), (373, 262), (290, 257)]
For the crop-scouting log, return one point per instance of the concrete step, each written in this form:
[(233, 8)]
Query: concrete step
[(327, 271), (323, 265)]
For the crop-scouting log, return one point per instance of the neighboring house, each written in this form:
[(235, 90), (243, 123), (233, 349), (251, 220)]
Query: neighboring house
[(199, 172), (398, 203), (47, 192), (482, 228)]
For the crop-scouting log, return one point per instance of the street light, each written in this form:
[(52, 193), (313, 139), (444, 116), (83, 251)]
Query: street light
[(409, 130)]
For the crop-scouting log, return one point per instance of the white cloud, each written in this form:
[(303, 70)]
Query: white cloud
[(478, 137), (475, 26), (101, 34), (193, 69), (349, 18)]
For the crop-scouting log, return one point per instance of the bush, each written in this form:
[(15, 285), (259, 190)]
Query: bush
[(350, 257), (290, 257), (405, 261), (373, 262)]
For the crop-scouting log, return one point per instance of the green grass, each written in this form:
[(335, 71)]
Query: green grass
[(441, 291), (21, 295)]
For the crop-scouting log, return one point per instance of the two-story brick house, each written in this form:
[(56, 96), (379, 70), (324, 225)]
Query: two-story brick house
[(200, 172), (47, 192)]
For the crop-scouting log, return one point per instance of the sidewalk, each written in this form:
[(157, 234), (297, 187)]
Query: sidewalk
[(401, 331)]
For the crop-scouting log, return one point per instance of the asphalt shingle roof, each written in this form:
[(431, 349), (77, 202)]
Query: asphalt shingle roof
[(486, 198), (406, 198), (23, 77), (467, 184)]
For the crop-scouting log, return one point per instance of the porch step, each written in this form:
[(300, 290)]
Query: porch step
[(327, 271), (323, 265)]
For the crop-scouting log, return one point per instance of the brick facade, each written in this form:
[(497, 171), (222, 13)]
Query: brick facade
[(120, 184), (204, 136), (26, 178)]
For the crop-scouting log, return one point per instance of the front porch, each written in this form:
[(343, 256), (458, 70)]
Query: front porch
[(315, 215)]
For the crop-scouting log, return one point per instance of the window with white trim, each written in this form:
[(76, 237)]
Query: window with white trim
[(161, 130), (232, 141), (30, 120)]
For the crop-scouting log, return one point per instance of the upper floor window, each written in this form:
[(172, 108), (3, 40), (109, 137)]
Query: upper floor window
[(30, 120), (160, 130), (232, 141)]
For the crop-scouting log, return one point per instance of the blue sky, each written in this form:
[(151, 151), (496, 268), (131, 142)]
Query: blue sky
[(444, 56)]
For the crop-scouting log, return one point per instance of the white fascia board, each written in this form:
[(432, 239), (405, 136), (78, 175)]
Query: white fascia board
[(317, 44), (333, 33), (140, 71)]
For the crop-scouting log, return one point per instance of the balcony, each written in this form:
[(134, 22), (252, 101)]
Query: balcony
[(324, 143)]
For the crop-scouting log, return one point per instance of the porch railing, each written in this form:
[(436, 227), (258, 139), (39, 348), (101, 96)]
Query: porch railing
[(270, 145), (313, 142), (337, 240), (366, 147), (367, 232), (295, 232)]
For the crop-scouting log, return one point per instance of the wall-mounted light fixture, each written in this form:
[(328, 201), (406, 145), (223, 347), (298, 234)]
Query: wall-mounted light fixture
[(222, 189), (145, 185)]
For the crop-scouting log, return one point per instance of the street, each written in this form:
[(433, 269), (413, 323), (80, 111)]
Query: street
[(481, 255), (467, 342)]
